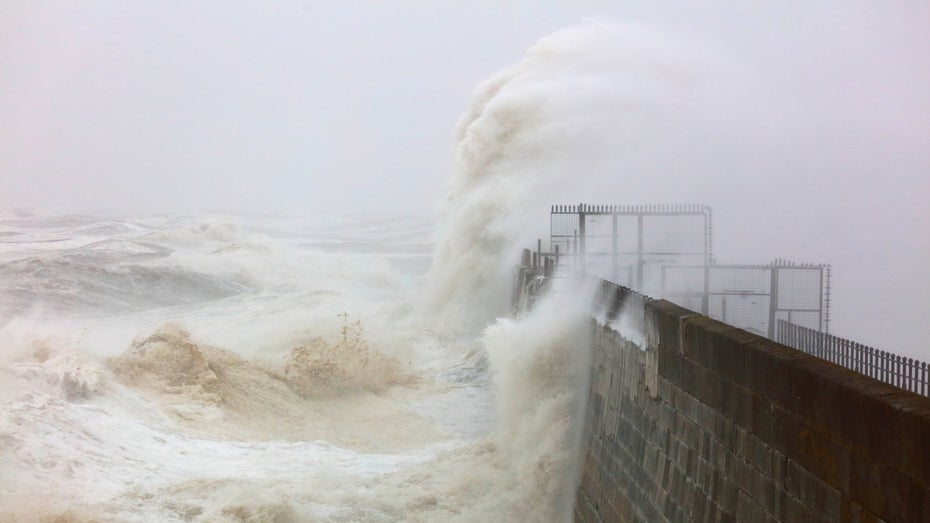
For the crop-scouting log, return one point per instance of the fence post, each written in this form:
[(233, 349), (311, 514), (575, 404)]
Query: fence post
[(924, 379), (854, 363), (899, 368), (885, 365)]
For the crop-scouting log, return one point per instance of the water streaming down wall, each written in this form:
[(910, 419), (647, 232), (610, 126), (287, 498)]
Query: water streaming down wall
[(703, 421)]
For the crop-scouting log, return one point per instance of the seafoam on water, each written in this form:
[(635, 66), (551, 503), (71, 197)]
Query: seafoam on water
[(309, 367)]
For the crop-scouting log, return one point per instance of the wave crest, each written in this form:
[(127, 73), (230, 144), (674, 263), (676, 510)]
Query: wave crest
[(349, 363), (218, 393)]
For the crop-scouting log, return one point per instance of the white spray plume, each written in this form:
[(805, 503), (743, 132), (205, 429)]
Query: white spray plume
[(541, 132)]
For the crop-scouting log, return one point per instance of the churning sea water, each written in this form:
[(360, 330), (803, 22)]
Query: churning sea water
[(324, 368), (265, 368)]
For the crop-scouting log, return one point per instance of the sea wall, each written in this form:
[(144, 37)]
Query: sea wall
[(710, 423)]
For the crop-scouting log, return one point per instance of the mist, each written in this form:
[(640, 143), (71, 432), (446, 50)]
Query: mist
[(806, 128)]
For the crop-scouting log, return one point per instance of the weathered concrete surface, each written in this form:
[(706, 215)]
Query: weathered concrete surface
[(712, 423)]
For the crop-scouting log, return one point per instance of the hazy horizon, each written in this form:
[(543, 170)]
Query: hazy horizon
[(806, 128)]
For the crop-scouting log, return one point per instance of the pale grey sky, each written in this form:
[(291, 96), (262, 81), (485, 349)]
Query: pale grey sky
[(297, 104), (810, 138)]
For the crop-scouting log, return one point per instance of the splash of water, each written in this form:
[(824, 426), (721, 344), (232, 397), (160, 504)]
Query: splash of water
[(291, 419), (551, 128)]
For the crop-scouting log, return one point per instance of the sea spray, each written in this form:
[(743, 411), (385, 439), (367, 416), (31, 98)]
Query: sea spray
[(559, 126), (562, 125), (527, 469), (540, 366), (203, 423)]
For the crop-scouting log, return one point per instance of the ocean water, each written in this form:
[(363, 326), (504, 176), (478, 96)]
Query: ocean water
[(270, 368), (311, 367)]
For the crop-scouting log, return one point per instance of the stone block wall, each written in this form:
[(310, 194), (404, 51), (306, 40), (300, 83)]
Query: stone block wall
[(711, 423)]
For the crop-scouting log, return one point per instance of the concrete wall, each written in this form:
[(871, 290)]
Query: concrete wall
[(712, 423)]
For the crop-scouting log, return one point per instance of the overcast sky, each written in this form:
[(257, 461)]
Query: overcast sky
[(813, 141)]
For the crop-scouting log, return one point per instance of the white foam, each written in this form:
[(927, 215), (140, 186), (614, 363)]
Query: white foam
[(257, 405)]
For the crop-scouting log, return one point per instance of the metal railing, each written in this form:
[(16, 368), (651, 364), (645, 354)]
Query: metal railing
[(905, 373)]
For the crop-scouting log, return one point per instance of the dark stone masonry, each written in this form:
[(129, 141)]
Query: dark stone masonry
[(711, 423)]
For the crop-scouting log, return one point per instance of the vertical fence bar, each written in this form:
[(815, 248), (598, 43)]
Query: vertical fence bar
[(909, 373), (877, 364), (889, 368), (900, 365), (914, 374), (925, 379), (880, 365), (856, 363), (899, 370), (883, 366), (902, 372), (896, 370), (896, 366), (916, 370)]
